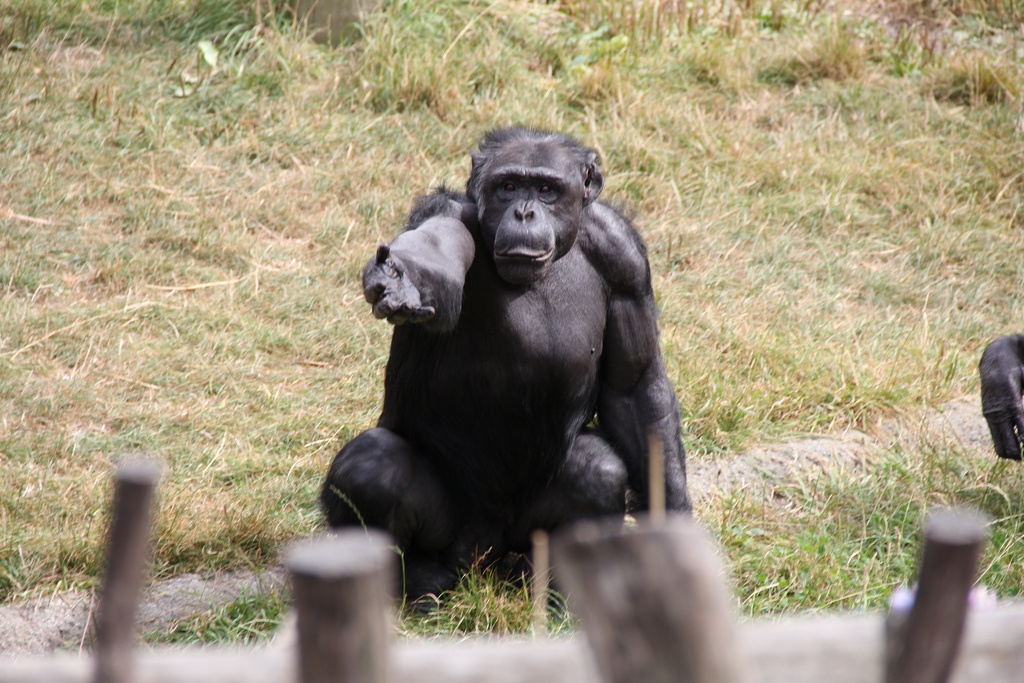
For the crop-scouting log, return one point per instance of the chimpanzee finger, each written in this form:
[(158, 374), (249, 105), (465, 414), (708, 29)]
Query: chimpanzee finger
[(400, 315), (422, 314), (384, 308), (1004, 439), (383, 251), (373, 292), (1007, 445), (1018, 429)]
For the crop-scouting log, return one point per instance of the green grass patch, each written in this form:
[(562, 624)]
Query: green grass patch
[(487, 601), (248, 619), (844, 540)]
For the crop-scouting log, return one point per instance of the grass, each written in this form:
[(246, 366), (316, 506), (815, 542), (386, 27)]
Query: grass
[(485, 602), (847, 540), (832, 199), (249, 619)]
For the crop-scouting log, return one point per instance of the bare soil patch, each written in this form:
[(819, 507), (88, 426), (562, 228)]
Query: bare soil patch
[(760, 470), (63, 622)]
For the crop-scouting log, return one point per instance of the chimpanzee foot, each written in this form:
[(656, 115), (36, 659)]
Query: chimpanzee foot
[(422, 581)]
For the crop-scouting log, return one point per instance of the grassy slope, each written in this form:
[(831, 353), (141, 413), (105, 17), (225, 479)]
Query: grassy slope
[(833, 211)]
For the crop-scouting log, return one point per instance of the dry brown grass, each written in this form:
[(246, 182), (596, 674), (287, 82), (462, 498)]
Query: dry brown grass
[(180, 243)]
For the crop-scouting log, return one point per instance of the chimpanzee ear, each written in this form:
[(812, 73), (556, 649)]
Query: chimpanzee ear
[(593, 179), (476, 169)]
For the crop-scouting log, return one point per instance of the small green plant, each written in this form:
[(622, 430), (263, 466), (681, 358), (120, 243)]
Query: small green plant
[(909, 53), (596, 64)]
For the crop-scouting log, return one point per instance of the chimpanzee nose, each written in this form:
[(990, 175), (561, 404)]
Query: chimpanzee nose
[(524, 213)]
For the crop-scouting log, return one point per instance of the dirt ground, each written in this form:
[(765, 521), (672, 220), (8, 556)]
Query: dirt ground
[(62, 622), (958, 423)]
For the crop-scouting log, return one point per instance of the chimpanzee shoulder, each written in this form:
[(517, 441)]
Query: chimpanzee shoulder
[(613, 245), (437, 203)]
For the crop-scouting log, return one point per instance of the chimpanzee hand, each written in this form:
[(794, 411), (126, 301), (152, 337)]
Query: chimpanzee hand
[(1002, 380), (387, 287)]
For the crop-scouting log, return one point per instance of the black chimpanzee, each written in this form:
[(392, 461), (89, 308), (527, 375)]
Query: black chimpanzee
[(524, 374), (1002, 381)]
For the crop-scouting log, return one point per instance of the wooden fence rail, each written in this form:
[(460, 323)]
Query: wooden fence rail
[(651, 602)]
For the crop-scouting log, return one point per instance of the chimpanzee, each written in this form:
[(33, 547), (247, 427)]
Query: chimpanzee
[(524, 375), (1002, 382)]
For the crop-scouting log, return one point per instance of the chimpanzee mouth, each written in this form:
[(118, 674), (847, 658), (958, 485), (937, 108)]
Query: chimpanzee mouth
[(525, 257), (522, 268)]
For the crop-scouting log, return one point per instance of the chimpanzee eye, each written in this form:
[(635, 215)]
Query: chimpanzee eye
[(509, 187), (544, 189)]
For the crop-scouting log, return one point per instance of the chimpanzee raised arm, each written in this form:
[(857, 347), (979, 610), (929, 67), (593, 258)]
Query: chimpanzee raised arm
[(419, 277)]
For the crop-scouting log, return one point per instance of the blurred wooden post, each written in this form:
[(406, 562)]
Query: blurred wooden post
[(328, 21), (341, 588), (128, 540), (652, 601), (922, 643)]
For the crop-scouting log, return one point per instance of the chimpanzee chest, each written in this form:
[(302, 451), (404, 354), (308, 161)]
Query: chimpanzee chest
[(533, 348), (497, 403)]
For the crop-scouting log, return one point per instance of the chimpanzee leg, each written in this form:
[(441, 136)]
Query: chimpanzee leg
[(591, 484), (381, 480)]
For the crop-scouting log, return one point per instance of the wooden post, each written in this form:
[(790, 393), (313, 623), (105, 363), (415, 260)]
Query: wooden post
[(341, 589), (127, 546), (652, 601), (922, 643), (329, 21)]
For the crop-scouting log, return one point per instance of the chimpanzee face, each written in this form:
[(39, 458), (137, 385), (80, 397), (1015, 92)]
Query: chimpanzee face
[(530, 196)]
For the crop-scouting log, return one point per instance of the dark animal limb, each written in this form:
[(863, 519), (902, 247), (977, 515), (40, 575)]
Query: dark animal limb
[(1002, 378), (591, 484), (419, 277), (380, 480)]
